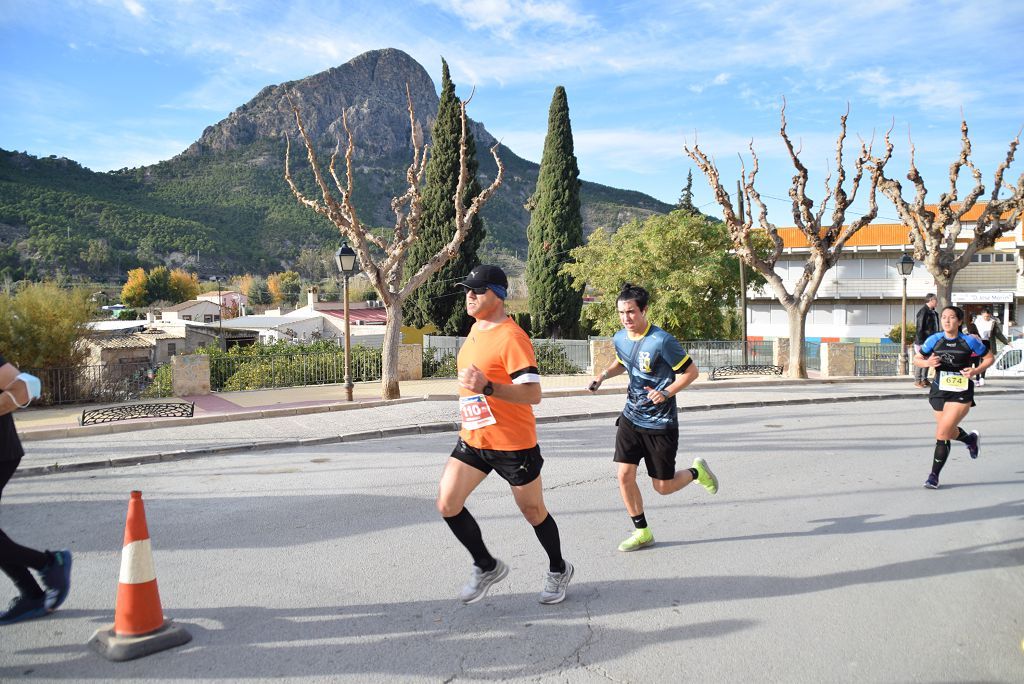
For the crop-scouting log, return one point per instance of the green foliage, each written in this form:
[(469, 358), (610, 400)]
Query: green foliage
[(443, 366), (522, 319), (129, 315), (552, 359), (161, 385), (894, 334), (41, 324), (258, 291), (437, 301), (685, 202), (682, 259), (556, 227), (288, 365)]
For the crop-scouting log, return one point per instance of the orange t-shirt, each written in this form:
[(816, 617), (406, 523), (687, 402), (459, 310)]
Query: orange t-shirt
[(504, 354)]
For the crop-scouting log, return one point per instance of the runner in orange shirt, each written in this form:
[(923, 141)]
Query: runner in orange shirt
[(498, 383)]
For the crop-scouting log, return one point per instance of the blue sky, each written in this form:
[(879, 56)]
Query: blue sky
[(123, 83)]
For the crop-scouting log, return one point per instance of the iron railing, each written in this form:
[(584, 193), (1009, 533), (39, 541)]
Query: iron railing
[(876, 359), (710, 354), (101, 384), (233, 373)]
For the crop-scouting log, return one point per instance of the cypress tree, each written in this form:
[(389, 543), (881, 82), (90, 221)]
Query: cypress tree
[(685, 202), (438, 300), (556, 226)]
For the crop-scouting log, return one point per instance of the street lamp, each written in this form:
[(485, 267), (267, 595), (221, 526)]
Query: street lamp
[(220, 312), (906, 266), (345, 259)]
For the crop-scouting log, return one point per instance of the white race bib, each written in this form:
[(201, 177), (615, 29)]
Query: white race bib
[(476, 412), (953, 382)]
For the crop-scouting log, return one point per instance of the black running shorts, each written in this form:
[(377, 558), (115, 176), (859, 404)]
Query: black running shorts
[(515, 467), (656, 449), (938, 398)]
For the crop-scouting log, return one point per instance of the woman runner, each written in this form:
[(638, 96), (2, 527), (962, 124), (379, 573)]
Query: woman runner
[(952, 353)]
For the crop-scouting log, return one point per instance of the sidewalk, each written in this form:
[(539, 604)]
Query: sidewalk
[(305, 416)]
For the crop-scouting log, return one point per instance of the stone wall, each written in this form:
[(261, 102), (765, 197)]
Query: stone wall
[(190, 375), (837, 360), (780, 353), (602, 355), (410, 362)]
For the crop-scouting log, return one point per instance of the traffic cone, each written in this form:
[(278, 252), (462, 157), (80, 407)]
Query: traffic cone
[(139, 627)]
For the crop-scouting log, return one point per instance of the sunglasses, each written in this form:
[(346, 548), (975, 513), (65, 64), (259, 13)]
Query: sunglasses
[(479, 290)]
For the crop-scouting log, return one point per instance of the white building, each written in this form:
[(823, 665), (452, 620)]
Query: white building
[(859, 299)]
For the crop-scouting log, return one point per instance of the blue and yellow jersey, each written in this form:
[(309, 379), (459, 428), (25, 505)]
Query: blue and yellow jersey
[(652, 360), (954, 354)]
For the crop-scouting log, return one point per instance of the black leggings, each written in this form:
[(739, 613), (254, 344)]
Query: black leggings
[(15, 560)]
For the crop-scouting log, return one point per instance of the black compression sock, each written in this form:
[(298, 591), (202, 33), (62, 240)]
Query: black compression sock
[(547, 533), (639, 521), (941, 454), (964, 437), (467, 531)]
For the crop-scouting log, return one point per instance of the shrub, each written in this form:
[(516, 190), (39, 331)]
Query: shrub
[(894, 334)]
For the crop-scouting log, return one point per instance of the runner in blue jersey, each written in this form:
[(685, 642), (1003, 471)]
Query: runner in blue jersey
[(952, 355), (648, 429)]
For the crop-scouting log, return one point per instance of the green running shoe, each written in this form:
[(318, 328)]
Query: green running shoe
[(705, 476), (638, 540)]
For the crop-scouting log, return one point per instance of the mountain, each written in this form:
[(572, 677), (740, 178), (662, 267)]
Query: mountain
[(222, 205)]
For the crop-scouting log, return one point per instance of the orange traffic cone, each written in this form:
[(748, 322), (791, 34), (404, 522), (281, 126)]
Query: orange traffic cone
[(139, 627)]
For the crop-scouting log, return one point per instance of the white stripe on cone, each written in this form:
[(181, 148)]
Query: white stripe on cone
[(137, 563)]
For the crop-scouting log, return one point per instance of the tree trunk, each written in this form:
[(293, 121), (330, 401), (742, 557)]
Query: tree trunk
[(797, 360), (943, 290), (389, 354)]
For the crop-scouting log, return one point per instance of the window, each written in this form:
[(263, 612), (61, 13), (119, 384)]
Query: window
[(878, 314), (207, 318), (172, 348), (985, 258), (874, 268), (186, 317), (848, 269), (821, 314), (857, 314), (760, 313), (779, 315)]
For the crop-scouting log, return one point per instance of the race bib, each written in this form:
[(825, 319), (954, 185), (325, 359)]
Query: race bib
[(953, 382), (476, 412)]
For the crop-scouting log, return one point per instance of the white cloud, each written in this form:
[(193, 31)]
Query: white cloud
[(135, 8), (506, 17)]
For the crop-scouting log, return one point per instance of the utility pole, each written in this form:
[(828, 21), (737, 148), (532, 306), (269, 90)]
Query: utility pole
[(743, 285)]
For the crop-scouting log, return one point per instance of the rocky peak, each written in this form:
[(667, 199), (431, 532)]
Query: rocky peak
[(369, 89)]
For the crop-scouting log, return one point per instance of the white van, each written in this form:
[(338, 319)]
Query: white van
[(1009, 362)]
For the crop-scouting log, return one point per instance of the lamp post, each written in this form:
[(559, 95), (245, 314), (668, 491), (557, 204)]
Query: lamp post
[(345, 259), (906, 266), (220, 312)]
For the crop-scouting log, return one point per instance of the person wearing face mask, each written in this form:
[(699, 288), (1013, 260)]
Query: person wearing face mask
[(54, 567)]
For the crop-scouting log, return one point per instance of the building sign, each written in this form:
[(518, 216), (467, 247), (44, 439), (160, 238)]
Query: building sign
[(981, 297)]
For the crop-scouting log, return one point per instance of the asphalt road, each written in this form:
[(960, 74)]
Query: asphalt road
[(821, 559)]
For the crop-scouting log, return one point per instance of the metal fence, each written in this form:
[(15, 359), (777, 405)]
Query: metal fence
[(812, 355), (101, 384), (876, 359), (709, 354), (234, 373)]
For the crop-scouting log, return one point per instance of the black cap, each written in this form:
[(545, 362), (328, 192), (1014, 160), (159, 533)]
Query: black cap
[(484, 275)]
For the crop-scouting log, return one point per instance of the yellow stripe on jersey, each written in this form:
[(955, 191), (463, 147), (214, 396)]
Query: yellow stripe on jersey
[(680, 364)]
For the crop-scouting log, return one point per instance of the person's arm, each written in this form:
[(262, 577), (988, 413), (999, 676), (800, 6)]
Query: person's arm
[(610, 372), (473, 379), (924, 357), (682, 380), (987, 359), (14, 393), (997, 333)]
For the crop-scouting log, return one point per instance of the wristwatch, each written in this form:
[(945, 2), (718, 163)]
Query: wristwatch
[(488, 389)]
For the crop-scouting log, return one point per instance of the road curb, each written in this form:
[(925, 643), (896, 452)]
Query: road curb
[(431, 428)]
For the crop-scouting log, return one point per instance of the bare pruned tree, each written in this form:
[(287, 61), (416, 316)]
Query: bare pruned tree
[(385, 272), (825, 237), (936, 229)]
